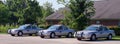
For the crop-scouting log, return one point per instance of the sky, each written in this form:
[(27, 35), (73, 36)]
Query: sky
[(56, 6)]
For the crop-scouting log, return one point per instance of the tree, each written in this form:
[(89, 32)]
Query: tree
[(33, 12), (3, 13), (46, 11), (24, 11), (81, 11), (16, 9)]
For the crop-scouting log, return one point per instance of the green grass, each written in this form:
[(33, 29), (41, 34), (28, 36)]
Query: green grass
[(116, 37), (3, 33)]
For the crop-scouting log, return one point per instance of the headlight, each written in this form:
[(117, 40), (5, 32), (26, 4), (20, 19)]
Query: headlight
[(14, 30)]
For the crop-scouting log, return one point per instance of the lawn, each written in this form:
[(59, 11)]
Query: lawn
[(116, 37)]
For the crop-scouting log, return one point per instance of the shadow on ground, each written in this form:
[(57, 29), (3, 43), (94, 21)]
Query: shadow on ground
[(101, 40)]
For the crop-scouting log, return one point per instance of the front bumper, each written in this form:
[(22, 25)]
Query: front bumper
[(12, 32), (43, 34), (83, 36)]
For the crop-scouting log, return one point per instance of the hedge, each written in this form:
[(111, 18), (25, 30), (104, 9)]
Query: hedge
[(117, 30)]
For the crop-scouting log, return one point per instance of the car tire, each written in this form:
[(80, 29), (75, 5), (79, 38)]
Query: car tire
[(12, 34), (79, 39), (59, 36), (52, 35), (20, 33), (42, 36), (109, 37), (93, 38), (30, 34), (69, 35)]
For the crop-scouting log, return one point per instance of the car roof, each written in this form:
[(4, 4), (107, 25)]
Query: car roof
[(26, 25), (57, 25), (96, 25)]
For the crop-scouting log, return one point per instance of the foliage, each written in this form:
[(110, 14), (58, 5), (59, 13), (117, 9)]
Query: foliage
[(24, 12), (46, 11), (81, 11), (3, 13), (116, 29)]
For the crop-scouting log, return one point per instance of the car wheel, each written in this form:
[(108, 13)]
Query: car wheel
[(42, 36), (52, 35), (69, 35), (79, 39), (12, 34), (30, 34), (20, 33), (59, 36), (109, 37), (93, 37)]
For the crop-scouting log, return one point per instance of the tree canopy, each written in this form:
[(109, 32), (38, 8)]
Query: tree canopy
[(23, 12), (81, 11)]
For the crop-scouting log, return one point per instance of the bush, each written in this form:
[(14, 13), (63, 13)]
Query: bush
[(117, 30), (4, 28), (44, 26)]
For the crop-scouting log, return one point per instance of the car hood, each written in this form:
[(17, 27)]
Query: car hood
[(45, 30), (86, 31), (15, 29)]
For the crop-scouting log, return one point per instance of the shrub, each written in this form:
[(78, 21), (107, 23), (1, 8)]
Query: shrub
[(44, 26), (4, 28), (117, 30)]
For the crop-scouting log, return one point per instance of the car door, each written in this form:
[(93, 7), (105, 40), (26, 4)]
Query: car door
[(27, 29), (34, 29), (105, 31), (100, 32), (65, 30), (60, 30)]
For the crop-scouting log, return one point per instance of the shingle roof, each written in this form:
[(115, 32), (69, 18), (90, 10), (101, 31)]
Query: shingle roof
[(107, 9), (55, 16), (58, 15)]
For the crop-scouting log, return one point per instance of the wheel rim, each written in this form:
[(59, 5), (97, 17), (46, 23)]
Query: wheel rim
[(52, 35), (69, 35), (20, 33), (110, 37), (93, 37)]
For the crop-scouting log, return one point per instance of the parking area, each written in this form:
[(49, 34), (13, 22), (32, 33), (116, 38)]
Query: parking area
[(7, 39)]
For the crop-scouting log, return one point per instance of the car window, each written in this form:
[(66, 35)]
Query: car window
[(22, 27), (28, 27), (105, 28), (60, 28), (65, 28), (100, 28), (53, 27), (92, 28), (34, 27)]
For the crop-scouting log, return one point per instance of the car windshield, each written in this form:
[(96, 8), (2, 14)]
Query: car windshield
[(22, 27), (53, 27), (92, 28)]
